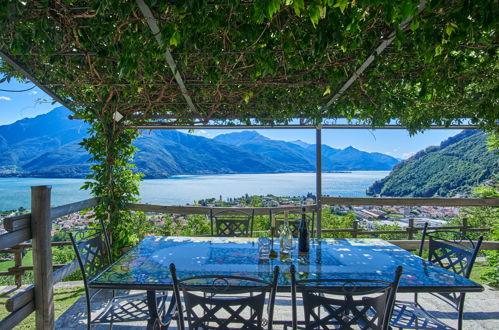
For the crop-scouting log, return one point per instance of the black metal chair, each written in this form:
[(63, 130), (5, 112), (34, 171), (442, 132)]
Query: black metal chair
[(233, 223), (451, 250), (225, 302), (294, 219), (344, 303), (94, 256)]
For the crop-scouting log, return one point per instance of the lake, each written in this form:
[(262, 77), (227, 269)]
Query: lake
[(180, 190)]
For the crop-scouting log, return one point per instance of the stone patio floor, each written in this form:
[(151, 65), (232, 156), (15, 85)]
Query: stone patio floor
[(481, 312)]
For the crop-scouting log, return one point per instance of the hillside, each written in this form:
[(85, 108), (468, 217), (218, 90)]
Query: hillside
[(48, 146), (459, 164), (302, 155)]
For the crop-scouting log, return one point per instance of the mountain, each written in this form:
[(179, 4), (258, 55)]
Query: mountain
[(302, 155), (166, 152), (44, 145), (48, 146), (456, 166)]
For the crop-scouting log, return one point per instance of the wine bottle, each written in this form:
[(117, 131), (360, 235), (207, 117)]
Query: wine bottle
[(303, 235)]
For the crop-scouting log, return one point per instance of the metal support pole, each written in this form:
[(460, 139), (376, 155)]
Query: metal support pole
[(318, 178), (41, 227)]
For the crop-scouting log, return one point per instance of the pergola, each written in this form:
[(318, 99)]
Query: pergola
[(128, 65), (179, 63), (252, 64)]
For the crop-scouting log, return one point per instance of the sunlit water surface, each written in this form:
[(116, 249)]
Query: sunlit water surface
[(181, 190)]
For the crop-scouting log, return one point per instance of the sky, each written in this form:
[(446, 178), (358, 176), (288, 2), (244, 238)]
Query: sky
[(397, 143)]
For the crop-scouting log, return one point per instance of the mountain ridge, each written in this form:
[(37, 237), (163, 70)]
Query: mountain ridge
[(48, 146), (452, 168)]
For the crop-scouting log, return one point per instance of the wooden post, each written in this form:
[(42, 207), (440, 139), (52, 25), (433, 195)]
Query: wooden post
[(465, 226), (41, 228), (355, 228), (318, 178), (410, 229), (18, 262)]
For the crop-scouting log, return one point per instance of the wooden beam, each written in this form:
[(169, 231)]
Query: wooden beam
[(206, 210), (15, 318), (9, 273), (382, 46), (20, 299), (386, 201), (28, 245), (414, 244), (17, 222), (13, 238), (27, 268), (27, 295), (65, 271), (41, 227), (59, 211), (153, 25)]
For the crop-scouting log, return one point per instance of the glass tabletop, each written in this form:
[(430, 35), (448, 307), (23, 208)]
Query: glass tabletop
[(146, 266)]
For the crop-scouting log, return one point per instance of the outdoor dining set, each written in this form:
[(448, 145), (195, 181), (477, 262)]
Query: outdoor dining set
[(223, 282)]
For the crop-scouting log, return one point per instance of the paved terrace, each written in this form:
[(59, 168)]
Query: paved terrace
[(481, 311)]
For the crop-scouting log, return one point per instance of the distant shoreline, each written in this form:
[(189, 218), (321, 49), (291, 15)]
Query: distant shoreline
[(2, 176), (184, 189)]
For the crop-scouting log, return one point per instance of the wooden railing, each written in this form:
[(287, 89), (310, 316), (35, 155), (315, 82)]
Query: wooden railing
[(410, 230), (36, 226), (207, 210), (384, 201), (18, 270), (355, 230)]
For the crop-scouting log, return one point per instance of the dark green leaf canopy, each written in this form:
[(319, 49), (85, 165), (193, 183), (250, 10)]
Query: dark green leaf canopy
[(268, 61)]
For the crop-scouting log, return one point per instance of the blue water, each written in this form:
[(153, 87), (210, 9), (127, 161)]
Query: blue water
[(180, 190)]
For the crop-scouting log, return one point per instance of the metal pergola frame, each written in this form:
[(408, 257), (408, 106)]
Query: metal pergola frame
[(150, 125)]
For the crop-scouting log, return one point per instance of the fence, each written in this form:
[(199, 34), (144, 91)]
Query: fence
[(410, 231), (37, 226), (18, 270)]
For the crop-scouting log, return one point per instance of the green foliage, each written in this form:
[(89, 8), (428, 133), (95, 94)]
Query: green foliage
[(488, 217), (458, 165), (394, 226), (196, 225), (491, 274), (64, 255), (113, 179), (269, 60), (260, 61), (334, 221)]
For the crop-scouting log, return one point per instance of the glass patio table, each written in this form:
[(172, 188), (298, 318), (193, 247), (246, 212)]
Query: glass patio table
[(146, 266)]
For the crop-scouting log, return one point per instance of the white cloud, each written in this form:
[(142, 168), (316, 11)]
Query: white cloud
[(199, 132), (5, 98), (204, 133), (408, 154), (33, 93)]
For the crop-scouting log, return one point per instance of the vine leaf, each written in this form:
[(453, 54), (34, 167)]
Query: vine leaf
[(342, 4)]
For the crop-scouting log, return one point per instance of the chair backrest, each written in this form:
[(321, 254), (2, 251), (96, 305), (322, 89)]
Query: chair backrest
[(294, 219), (91, 252), (233, 223), (453, 251), (345, 303), (222, 301)]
